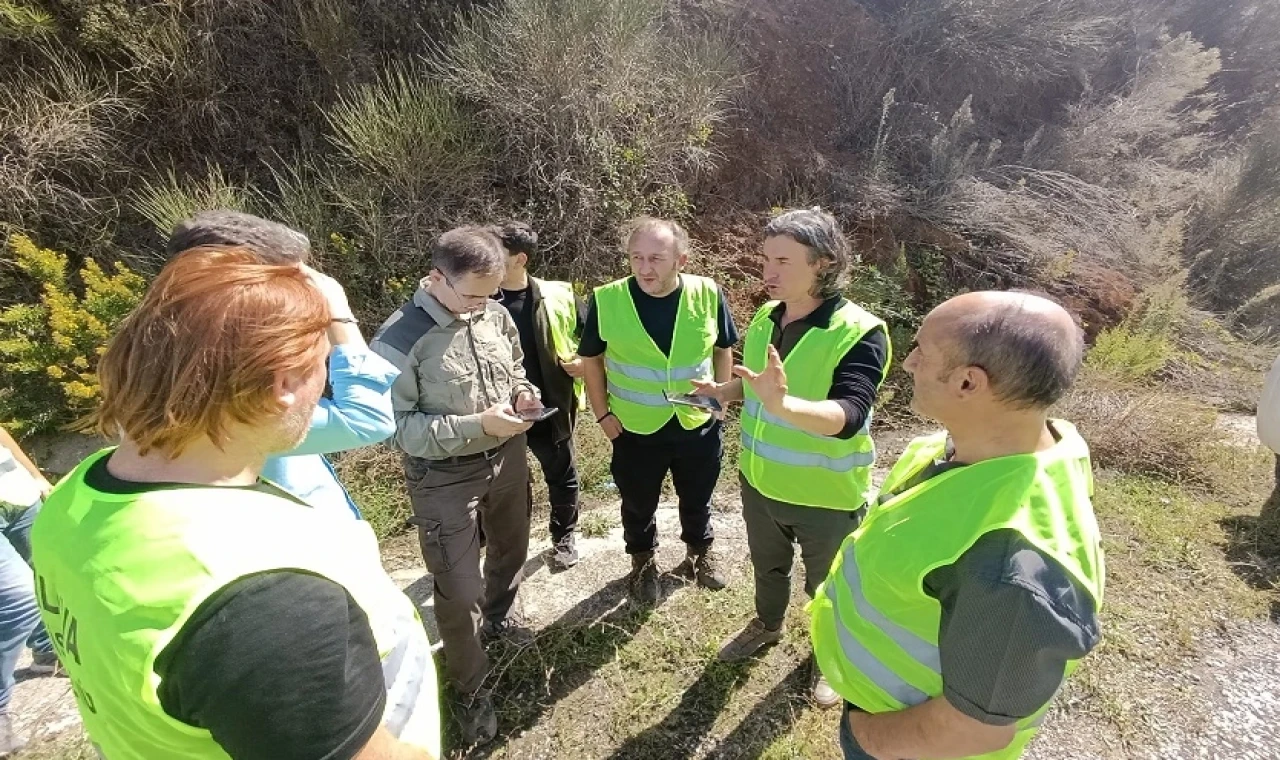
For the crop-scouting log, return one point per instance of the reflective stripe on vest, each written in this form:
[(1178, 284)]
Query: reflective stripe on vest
[(636, 397), (639, 372), (806, 458), (698, 372), (753, 407)]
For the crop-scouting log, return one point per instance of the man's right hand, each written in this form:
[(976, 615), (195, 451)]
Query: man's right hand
[(611, 426), (500, 421)]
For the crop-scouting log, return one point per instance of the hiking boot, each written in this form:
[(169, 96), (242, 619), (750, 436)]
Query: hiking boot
[(642, 582), (476, 717), (45, 664), (703, 566), (511, 628), (821, 691), (749, 640), (9, 742), (567, 551)]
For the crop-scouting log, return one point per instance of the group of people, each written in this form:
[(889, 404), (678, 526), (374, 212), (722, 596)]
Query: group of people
[(211, 589)]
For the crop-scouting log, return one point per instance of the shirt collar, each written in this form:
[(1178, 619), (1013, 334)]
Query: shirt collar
[(819, 317), (434, 309)]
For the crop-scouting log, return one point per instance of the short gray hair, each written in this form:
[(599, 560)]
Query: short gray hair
[(649, 223), (1030, 361), (469, 250), (818, 231), (272, 242)]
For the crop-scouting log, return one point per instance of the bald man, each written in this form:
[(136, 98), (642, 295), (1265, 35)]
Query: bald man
[(952, 616)]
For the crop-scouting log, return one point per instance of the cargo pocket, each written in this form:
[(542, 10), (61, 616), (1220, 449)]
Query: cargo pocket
[(434, 552)]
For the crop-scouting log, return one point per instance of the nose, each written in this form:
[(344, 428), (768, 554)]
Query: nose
[(910, 363)]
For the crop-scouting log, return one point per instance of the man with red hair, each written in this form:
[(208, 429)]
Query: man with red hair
[(199, 610)]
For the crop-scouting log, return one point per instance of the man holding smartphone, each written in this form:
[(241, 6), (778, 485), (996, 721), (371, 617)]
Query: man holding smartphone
[(647, 337), (458, 405)]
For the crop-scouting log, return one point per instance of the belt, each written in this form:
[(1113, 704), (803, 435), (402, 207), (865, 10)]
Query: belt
[(487, 455)]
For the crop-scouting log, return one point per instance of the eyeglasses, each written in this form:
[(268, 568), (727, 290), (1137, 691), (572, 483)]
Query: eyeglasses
[(466, 298)]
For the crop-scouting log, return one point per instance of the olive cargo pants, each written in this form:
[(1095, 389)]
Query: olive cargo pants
[(450, 497)]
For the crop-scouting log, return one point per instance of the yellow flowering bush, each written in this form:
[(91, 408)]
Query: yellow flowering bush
[(49, 349)]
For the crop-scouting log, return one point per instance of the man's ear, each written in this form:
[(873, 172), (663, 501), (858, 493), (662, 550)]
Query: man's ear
[(523, 258), (287, 386), (972, 380), (682, 261)]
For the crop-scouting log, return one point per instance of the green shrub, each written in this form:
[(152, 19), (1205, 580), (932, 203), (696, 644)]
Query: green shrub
[(410, 132), (168, 201), (1129, 353), (1140, 346), (49, 349), (601, 108)]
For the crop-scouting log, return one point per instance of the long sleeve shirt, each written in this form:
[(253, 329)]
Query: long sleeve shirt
[(357, 414), (453, 368)]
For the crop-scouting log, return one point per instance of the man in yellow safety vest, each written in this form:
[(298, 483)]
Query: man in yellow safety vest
[(813, 364), (647, 337), (952, 616), (200, 611)]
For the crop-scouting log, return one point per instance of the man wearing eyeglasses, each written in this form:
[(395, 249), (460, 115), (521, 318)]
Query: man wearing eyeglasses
[(458, 404)]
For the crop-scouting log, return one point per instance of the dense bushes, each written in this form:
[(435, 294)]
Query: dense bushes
[(965, 143)]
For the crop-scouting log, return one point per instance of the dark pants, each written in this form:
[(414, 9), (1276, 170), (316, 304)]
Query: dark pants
[(449, 498), (560, 469), (640, 465), (773, 528)]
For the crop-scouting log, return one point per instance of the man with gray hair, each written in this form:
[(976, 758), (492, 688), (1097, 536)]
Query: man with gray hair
[(356, 410), (954, 614), (813, 364)]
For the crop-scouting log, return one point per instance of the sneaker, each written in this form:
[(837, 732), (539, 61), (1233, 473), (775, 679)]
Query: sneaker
[(9, 741), (512, 629), (703, 566), (821, 691), (45, 664), (749, 640), (642, 582), (567, 551), (477, 718)]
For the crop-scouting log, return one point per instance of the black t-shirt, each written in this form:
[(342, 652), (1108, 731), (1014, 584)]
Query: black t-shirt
[(275, 666), (857, 376), (519, 303), (658, 315)]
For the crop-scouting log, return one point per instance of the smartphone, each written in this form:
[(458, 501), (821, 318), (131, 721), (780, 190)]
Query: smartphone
[(537, 415), (689, 399)]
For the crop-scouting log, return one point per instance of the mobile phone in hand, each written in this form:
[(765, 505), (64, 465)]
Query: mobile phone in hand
[(537, 415), (689, 399)]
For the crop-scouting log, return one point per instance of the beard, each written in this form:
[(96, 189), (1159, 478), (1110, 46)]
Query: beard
[(291, 429)]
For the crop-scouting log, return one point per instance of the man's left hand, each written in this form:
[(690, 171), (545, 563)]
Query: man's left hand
[(771, 385), (573, 368), (45, 488)]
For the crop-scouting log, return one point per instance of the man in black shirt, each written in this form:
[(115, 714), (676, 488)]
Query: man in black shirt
[(648, 335), (807, 452), (549, 320)]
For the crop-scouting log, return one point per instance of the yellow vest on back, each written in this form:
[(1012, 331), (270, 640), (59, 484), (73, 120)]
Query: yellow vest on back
[(875, 630), (120, 574)]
